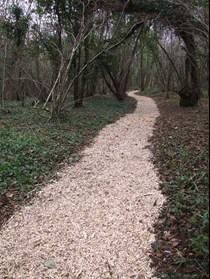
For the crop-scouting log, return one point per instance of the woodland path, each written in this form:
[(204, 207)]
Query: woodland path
[(95, 222)]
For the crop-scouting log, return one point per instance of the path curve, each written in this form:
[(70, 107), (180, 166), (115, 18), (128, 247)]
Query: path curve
[(96, 221)]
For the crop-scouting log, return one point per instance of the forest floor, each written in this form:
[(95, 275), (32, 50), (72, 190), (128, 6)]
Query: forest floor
[(180, 145), (96, 221), (180, 153), (33, 149)]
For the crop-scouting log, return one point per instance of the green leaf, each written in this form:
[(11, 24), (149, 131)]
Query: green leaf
[(49, 264)]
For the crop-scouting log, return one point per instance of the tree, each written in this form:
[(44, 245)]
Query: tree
[(197, 25), (63, 50), (14, 26), (115, 66), (78, 57), (171, 13)]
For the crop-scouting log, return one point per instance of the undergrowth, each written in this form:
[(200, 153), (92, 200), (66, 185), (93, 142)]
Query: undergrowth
[(32, 148), (180, 147)]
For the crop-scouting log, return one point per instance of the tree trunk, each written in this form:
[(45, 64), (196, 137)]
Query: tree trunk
[(2, 101), (84, 86), (120, 94), (191, 92), (78, 102), (142, 71)]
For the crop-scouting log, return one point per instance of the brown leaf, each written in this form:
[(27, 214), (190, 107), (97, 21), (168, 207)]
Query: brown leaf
[(175, 242), (159, 254)]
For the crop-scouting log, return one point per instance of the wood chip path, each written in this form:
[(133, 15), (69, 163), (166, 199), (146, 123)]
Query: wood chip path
[(96, 221)]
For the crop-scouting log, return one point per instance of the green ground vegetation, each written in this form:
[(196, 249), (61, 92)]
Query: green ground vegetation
[(181, 154), (32, 148)]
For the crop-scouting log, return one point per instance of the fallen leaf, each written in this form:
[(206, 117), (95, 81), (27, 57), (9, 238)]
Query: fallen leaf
[(159, 254)]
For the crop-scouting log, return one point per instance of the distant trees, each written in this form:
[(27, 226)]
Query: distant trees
[(60, 52), (15, 26), (189, 20), (158, 61)]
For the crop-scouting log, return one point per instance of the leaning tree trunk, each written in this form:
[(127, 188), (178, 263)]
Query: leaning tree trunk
[(191, 92), (85, 79), (78, 102)]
